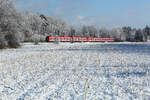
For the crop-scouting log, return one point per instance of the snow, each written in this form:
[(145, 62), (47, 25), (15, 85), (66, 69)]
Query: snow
[(78, 71)]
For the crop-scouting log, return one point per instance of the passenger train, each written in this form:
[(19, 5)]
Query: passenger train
[(78, 39)]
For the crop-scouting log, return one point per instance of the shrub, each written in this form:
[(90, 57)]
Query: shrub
[(12, 41), (36, 38), (3, 43), (36, 42)]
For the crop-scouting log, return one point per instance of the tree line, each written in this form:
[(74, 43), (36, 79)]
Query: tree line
[(17, 27)]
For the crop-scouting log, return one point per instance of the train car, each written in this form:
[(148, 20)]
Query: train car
[(78, 39)]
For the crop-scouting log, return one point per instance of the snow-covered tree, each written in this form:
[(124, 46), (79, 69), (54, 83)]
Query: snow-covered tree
[(9, 24)]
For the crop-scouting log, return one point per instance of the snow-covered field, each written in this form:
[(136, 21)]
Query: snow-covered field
[(79, 71)]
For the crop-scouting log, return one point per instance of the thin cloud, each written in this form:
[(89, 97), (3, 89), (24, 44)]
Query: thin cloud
[(79, 12)]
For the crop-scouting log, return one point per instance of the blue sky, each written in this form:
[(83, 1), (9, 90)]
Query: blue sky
[(101, 13)]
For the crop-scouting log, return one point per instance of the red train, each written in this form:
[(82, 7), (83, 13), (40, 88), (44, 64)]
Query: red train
[(78, 39)]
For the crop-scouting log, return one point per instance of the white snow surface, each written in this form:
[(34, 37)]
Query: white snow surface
[(78, 71)]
